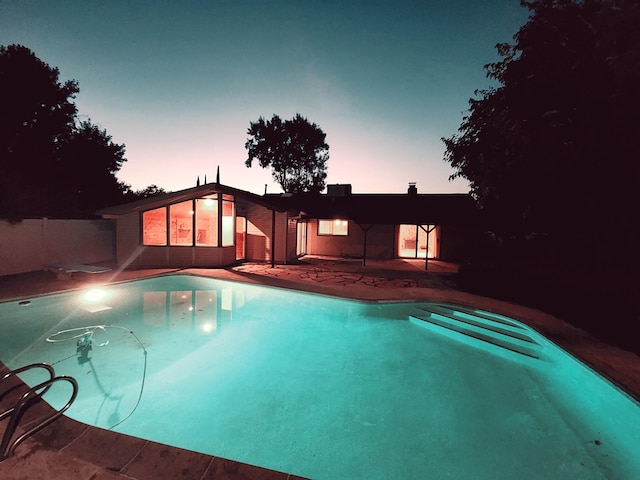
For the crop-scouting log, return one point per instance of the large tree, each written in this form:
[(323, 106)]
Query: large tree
[(51, 164), (295, 150), (87, 164), (554, 146)]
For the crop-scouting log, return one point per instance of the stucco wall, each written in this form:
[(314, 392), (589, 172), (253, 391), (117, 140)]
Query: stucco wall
[(380, 242), (259, 231), (30, 244)]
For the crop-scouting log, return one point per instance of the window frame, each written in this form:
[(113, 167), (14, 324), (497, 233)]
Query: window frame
[(188, 225), (224, 231), (332, 222), (142, 229)]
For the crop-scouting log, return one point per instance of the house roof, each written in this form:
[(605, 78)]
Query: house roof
[(161, 200), (391, 209)]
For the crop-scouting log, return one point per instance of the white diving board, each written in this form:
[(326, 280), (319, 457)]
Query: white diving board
[(64, 270)]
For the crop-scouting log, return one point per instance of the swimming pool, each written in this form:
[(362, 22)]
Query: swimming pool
[(324, 387)]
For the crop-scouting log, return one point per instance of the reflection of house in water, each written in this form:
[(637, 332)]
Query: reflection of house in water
[(199, 311), (215, 225)]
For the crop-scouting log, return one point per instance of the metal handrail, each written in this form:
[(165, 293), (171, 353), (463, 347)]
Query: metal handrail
[(15, 372), (7, 447)]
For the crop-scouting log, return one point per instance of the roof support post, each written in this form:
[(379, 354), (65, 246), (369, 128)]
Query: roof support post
[(426, 254), (428, 230), (273, 238), (365, 228)]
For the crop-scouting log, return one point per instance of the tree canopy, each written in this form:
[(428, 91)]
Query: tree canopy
[(51, 163), (554, 146), (295, 150)]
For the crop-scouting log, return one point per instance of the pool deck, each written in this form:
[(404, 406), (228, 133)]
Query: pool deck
[(70, 450)]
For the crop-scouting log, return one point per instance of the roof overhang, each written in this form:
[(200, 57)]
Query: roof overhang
[(170, 198)]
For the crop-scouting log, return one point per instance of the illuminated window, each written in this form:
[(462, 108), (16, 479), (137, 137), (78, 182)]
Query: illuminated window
[(417, 241), (207, 221), (333, 227), (227, 220), (154, 227), (204, 222), (181, 223)]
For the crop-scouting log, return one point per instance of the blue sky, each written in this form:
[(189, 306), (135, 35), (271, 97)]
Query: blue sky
[(179, 81)]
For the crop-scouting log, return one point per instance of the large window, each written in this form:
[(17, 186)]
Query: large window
[(301, 238), (333, 227), (417, 241), (207, 221), (181, 223), (154, 227), (204, 222)]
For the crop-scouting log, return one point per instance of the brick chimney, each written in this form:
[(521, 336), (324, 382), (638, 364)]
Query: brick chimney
[(337, 190), (412, 190)]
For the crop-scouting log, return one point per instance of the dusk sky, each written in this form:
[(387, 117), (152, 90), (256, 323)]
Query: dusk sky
[(179, 82)]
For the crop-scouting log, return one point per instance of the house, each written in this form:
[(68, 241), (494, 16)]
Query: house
[(216, 225)]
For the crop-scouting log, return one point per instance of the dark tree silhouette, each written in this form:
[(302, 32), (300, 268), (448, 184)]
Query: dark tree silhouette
[(37, 114), (51, 164), (150, 191), (554, 147), (295, 150), (88, 162)]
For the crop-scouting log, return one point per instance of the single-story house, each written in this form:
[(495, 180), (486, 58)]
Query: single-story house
[(216, 225)]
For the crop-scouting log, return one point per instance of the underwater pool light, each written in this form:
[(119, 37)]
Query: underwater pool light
[(94, 294), (208, 327)]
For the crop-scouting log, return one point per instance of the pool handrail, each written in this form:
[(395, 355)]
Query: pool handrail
[(7, 448)]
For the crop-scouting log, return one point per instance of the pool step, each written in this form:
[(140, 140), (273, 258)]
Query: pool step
[(489, 328)]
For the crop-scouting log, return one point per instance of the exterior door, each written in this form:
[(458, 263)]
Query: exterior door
[(241, 238), (301, 238), (417, 241)]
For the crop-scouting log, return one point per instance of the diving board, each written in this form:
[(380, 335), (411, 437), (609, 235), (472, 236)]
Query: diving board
[(64, 270)]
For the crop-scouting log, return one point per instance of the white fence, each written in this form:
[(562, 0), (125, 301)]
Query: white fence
[(30, 244)]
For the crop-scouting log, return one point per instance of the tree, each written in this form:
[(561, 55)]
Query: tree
[(51, 164), (295, 150), (554, 147), (150, 191), (86, 168), (37, 114)]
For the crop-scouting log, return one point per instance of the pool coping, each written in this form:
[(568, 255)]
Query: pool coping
[(69, 449)]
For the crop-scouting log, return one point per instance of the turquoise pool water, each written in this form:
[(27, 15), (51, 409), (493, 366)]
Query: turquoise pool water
[(326, 388)]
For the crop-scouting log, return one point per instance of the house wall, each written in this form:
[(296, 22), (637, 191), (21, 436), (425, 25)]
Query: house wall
[(380, 242), (128, 240), (30, 244), (182, 257), (130, 252), (259, 232), (454, 243)]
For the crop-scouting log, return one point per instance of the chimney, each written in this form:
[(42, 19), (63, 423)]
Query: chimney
[(337, 190), (413, 190)]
